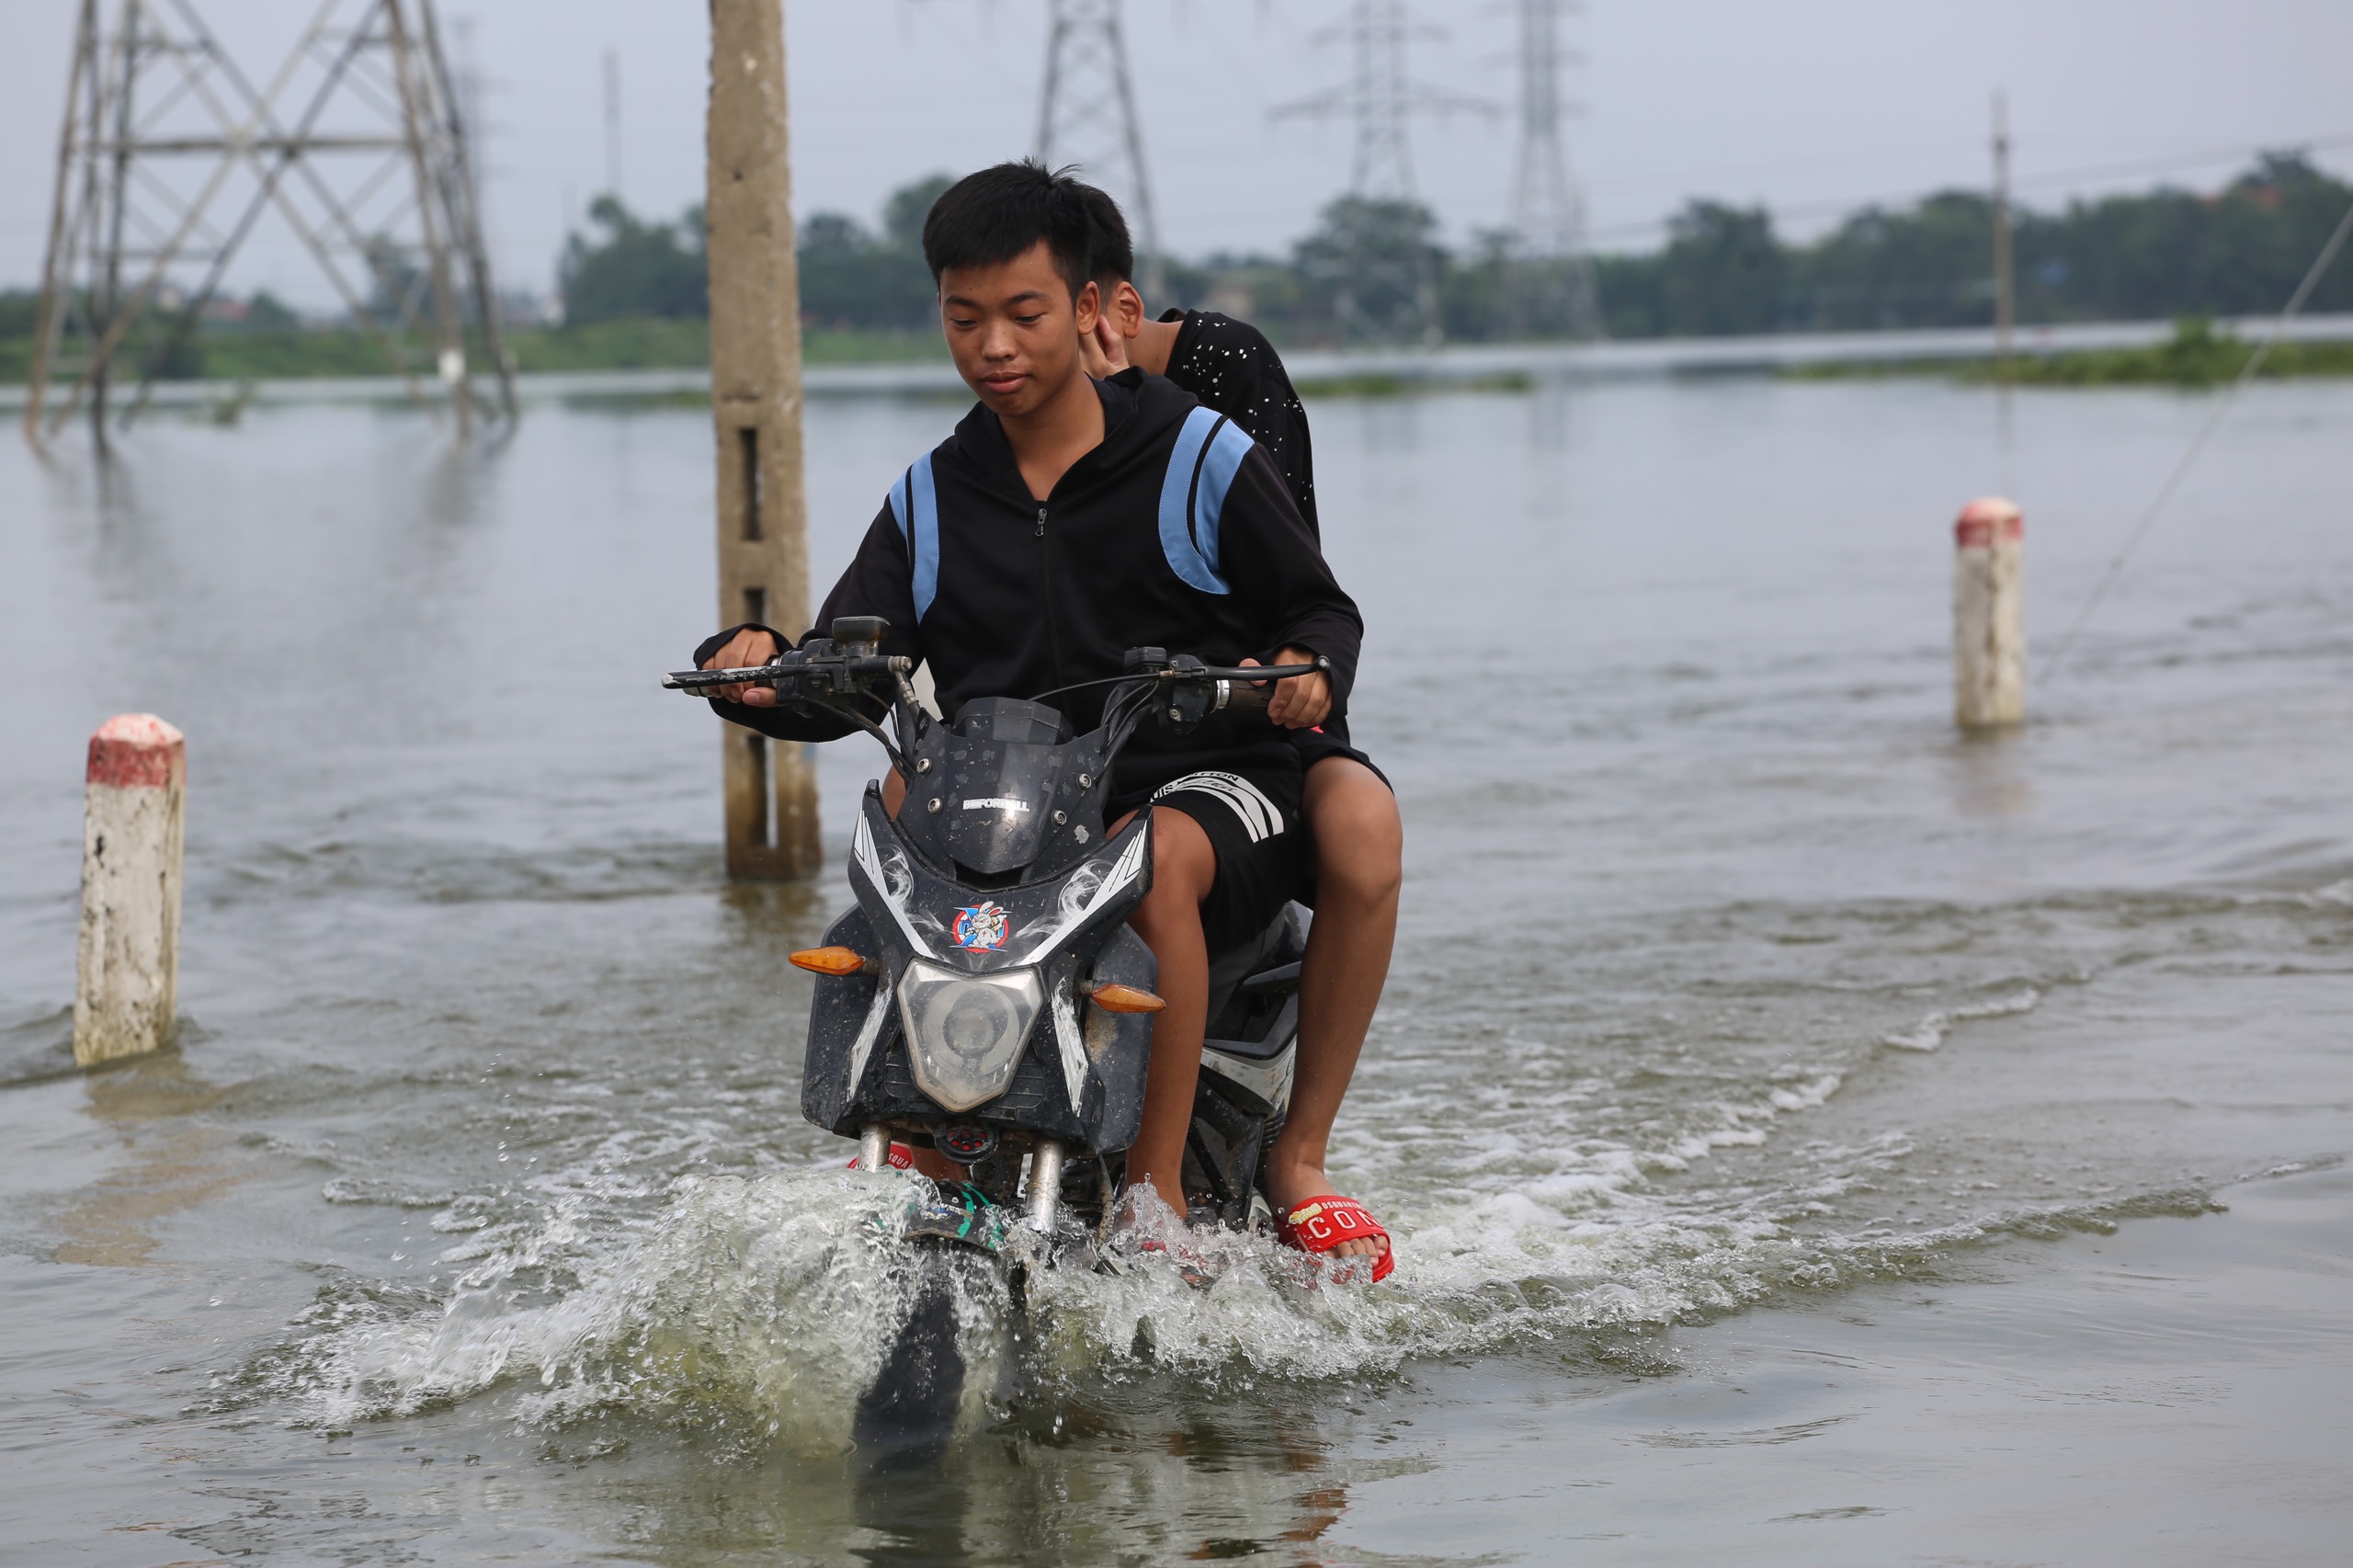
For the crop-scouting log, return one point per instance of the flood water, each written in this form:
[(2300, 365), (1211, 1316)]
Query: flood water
[(1811, 1136)]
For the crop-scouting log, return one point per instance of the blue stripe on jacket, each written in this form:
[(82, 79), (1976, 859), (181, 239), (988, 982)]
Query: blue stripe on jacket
[(914, 506), (1208, 454)]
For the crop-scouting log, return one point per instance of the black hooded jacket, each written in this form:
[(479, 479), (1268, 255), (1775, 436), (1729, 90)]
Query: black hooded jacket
[(1176, 532)]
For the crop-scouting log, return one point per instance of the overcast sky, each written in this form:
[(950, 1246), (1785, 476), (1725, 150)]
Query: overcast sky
[(1809, 106)]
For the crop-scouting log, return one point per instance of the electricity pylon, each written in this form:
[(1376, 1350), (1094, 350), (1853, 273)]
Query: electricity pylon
[(1549, 276), (1086, 115), (367, 163), (1388, 284)]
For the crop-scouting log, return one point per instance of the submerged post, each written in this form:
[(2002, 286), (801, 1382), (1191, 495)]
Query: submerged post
[(1989, 615), (771, 788), (124, 1002)]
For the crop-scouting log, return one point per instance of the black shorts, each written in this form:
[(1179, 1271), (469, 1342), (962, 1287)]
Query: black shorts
[(1330, 739), (1255, 829)]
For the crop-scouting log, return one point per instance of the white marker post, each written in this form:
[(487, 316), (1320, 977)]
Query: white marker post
[(1989, 615), (125, 1002)]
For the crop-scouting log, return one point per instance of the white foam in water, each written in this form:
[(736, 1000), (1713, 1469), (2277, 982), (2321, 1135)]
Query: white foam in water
[(1929, 1032), (757, 1309), (756, 1299), (763, 1306)]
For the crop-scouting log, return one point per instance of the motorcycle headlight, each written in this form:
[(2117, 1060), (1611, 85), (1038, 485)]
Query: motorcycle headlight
[(964, 1031)]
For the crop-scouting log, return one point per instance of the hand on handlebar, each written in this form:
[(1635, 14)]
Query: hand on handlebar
[(1303, 701), (746, 648)]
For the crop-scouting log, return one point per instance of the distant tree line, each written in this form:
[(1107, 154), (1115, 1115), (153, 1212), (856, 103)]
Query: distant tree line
[(1722, 271), (2166, 252)]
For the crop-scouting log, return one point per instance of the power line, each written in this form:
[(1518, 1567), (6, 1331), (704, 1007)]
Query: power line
[(613, 123), (2197, 446)]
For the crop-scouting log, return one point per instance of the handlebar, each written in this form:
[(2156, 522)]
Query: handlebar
[(841, 674), (1247, 686), (835, 672), (1247, 697)]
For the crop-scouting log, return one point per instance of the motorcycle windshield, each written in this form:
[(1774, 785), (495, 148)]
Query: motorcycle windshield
[(997, 797)]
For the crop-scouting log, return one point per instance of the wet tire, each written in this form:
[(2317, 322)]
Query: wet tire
[(913, 1403)]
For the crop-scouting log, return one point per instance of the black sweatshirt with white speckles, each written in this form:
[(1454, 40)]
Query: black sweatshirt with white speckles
[(1231, 367)]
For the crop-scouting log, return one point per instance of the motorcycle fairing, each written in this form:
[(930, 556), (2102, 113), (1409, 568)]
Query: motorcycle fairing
[(1078, 1074), (916, 908)]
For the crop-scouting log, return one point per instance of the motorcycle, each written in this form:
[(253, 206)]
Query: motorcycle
[(985, 997)]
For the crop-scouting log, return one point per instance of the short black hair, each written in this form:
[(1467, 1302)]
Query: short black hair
[(1111, 252), (989, 218)]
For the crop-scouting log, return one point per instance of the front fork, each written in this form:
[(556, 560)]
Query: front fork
[(1042, 1201), (1045, 1194)]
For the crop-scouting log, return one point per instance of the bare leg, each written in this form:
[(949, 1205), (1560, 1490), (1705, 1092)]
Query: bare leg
[(1359, 847), (1184, 868)]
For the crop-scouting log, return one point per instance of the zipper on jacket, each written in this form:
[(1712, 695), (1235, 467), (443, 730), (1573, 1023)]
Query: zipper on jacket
[(1046, 597)]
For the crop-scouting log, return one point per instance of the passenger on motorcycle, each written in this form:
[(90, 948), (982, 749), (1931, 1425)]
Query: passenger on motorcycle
[(1352, 819), (1065, 521)]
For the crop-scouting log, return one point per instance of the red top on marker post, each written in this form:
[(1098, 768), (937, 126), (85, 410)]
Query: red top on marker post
[(138, 751), (1983, 523)]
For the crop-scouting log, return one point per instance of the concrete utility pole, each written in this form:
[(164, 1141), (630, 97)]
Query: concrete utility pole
[(1989, 615), (134, 816), (170, 155), (771, 789), (1086, 115), (1549, 283), (1388, 288), (2006, 304)]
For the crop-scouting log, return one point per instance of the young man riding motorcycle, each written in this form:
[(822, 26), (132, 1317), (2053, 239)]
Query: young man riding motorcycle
[(1065, 521)]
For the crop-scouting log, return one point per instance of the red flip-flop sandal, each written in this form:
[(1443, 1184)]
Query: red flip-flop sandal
[(1319, 1224)]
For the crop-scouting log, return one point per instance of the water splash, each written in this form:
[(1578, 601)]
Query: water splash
[(1930, 1031), (755, 1311)]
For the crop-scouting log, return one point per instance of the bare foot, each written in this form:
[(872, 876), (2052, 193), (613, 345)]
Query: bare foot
[(1291, 1183)]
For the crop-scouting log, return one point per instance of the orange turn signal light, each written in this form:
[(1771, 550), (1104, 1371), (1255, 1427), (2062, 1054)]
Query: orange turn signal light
[(829, 961), (1125, 999)]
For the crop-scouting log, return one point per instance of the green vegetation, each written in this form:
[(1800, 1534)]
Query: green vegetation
[(1722, 271), (1399, 386), (637, 343), (2196, 356), (623, 344), (854, 280), (2166, 252), (634, 294), (637, 268)]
